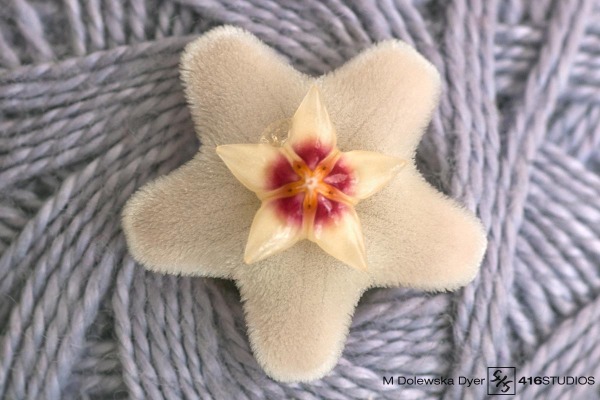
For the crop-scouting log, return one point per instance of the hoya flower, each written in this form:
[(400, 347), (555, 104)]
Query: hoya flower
[(344, 179)]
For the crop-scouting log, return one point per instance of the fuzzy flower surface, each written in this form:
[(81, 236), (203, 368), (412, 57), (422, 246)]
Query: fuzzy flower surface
[(344, 179)]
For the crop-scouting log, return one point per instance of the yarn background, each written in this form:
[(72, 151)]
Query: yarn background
[(91, 108)]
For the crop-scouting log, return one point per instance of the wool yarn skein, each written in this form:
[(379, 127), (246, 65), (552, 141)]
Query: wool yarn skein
[(91, 108)]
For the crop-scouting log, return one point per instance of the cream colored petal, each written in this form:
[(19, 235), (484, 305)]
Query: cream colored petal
[(311, 124), (383, 99), (255, 165), (236, 86), (417, 237), (194, 221), (270, 233), (371, 171), (341, 236), (298, 306)]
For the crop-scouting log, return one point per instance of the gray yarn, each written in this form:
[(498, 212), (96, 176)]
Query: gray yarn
[(91, 108)]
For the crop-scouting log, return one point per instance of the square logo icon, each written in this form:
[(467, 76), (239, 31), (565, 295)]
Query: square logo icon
[(502, 381)]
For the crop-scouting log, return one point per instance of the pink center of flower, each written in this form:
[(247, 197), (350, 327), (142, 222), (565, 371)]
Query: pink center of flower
[(313, 188)]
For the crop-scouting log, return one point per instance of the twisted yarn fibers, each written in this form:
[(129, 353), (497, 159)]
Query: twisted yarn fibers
[(91, 108)]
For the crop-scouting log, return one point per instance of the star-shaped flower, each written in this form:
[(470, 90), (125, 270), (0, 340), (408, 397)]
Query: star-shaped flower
[(308, 187), (299, 301)]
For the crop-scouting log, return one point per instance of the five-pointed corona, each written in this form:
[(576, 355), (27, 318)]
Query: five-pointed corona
[(308, 187)]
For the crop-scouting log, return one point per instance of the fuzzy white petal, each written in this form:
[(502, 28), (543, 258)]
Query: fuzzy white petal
[(418, 237), (298, 306), (270, 234), (236, 86), (251, 164), (383, 99), (194, 221), (342, 238), (371, 171), (311, 123)]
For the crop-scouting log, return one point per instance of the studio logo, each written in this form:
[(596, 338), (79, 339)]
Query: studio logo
[(501, 381)]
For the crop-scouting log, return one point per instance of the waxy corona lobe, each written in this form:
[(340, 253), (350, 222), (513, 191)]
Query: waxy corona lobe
[(308, 187)]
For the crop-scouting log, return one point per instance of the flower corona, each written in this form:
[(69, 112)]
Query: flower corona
[(308, 187)]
